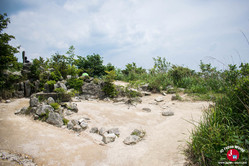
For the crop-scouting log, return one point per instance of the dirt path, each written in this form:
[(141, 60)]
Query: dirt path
[(50, 145)]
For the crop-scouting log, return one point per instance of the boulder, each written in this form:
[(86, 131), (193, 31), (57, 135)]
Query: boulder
[(146, 109), (54, 118), (36, 86), (33, 102), (50, 100), (60, 85), (159, 99), (131, 140), (145, 87), (94, 130), (107, 138), (46, 88), (27, 87), (43, 109), (114, 131), (93, 90), (167, 113), (72, 106)]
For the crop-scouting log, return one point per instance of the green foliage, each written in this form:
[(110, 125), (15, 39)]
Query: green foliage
[(224, 125), (92, 64), (65, 121), (75, 83), (109, 87), (55, 105), (178, 73), (73, 93), (132, 72), (38, 65), (7, 58), (60, 90), (44, 116)]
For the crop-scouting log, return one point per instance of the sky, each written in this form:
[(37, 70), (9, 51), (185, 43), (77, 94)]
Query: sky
[(125, 31)]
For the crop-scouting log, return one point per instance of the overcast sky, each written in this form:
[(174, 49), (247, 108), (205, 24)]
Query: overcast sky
[(125, 31)]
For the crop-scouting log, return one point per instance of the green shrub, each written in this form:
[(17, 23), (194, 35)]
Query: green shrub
[(75, 83), (65, 121), (109, 88), (55, 105), (60, 90)]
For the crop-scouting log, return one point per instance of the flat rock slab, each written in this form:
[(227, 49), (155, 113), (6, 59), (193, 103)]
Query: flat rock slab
[(146, 109), (159, 99)]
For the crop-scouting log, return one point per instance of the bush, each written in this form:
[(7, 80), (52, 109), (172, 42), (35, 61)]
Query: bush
[(75, 83), (109, 88), (55, 105), (65, 121)]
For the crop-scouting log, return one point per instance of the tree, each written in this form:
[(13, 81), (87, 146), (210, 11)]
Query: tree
[(92, 64), (7, 51)]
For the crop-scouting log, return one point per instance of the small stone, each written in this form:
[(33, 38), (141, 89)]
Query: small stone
[(131, 140), (146, 109), (94, 130), (83, 125), (70, 125), (138, 133), (114, 131), (159, 99), (77, 128), (7, 101), (107, 138), (102, 131), (174, 97), (167, 113), (54, 118)]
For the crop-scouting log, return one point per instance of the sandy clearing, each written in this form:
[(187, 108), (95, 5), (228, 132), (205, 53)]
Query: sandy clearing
[(50, 145)]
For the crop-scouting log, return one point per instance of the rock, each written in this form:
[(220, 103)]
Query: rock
[(70, 125), (33, 110), (46, 88), (54, 118), (43, 109), (93, 90), (83, 125), (131, 140), (27, 87), (163, 93), (145, 87), (36, 86), (94, 130), (50, 100), (73, 107), (144, 93), (7, 101), (167, 113), (67, 112), (138, 133), (107, 138), (22, 111), (33, 102), (60, 85), (69, 77), (77, 128), (174, 97), (102, 131), (146, 109), (159, 99), (114, 131), (120, 99)]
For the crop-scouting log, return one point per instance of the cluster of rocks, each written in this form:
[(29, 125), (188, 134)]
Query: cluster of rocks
[(135, 137), (11, 158), (78, 125), (45, 112)]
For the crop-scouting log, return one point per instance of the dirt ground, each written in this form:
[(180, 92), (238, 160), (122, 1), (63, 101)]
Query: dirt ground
[(50, 145)]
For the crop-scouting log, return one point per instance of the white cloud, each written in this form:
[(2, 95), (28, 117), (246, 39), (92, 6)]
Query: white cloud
[(131, 30)]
